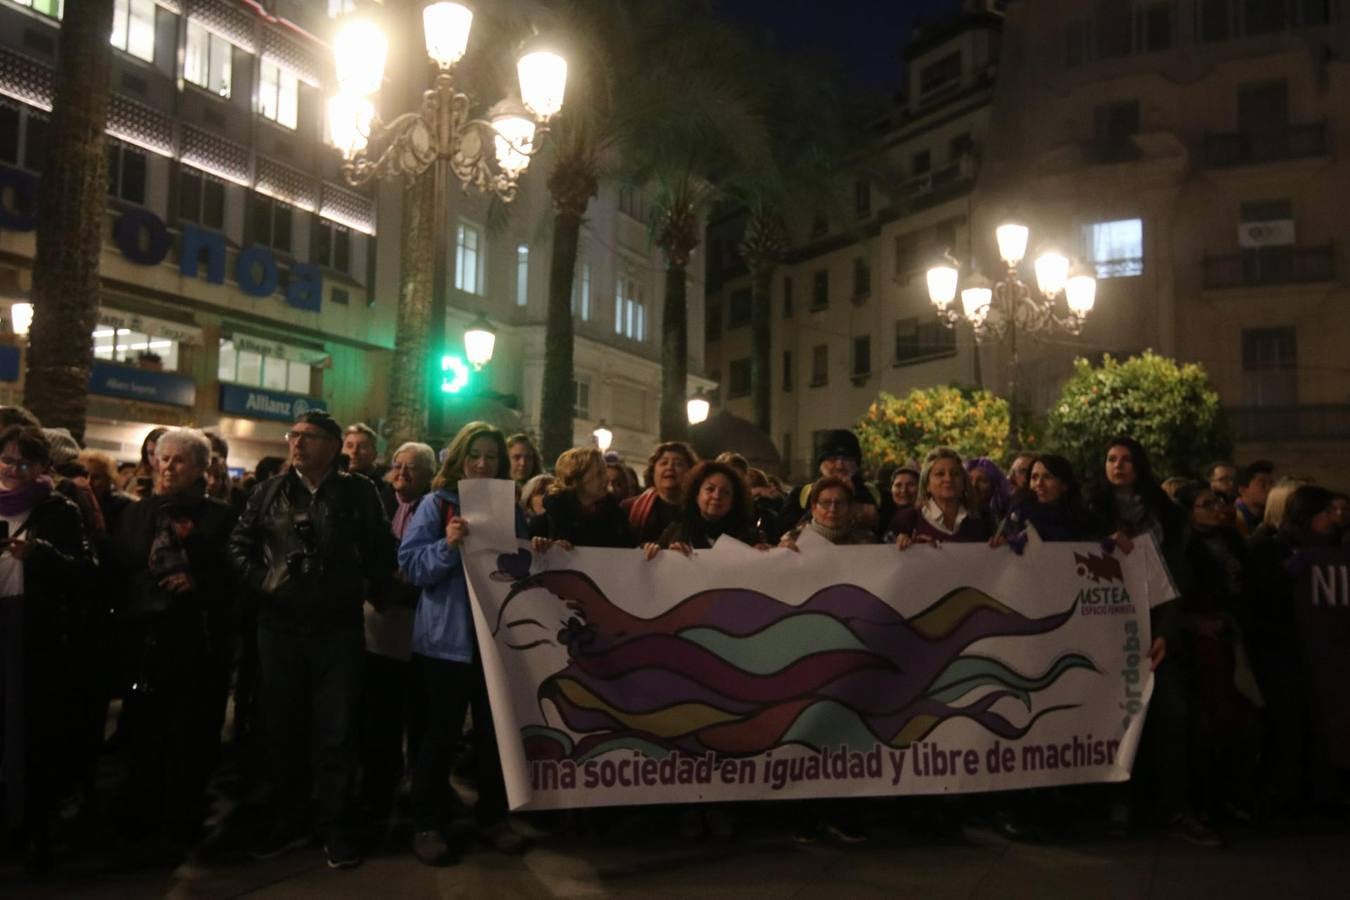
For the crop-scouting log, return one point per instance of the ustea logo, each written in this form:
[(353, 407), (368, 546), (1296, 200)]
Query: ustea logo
[(1098, 568), (1102, 599)]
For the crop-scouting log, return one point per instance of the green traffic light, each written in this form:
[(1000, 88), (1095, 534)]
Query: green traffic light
[(454, 374)]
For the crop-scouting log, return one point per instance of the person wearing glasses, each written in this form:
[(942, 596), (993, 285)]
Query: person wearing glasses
[(315, 543), (830, 514), (45, 564)]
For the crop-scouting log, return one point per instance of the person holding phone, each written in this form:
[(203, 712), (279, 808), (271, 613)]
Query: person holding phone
[(45, 562)]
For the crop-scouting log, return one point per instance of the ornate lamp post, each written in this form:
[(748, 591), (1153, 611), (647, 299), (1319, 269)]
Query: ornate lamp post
[(1003, 308), (443, 139)]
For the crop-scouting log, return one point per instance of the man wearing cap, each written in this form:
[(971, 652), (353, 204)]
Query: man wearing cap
[(841, 457), (314, 543)]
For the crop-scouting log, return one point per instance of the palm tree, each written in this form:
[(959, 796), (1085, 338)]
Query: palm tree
[(816, 149), (73, 200), (685, 151)]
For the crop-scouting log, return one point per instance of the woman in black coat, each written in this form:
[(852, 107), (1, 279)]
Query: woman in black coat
[(1052, 505), (578, 511), (45, 569), (716, 502), (172, 546)]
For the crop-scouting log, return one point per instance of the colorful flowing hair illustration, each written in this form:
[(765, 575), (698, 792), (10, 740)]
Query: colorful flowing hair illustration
[(738, 673)]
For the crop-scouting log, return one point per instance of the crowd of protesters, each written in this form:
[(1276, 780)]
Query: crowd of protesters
[(317, 612)]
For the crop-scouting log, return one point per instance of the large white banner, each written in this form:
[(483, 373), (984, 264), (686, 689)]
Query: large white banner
[(836, 671)]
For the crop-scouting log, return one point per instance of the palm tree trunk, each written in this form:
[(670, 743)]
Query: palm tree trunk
[(408, 388), (73, 200), (674, 355), (761, 363), (572, 184), (677, 235)]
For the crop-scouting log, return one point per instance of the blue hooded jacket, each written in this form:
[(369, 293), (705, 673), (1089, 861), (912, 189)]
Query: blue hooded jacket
[(443, 623)]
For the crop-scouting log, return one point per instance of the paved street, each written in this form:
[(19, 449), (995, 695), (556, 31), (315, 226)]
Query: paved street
[(1315, 862)]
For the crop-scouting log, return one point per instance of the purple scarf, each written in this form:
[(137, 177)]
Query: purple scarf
[(21, 500)]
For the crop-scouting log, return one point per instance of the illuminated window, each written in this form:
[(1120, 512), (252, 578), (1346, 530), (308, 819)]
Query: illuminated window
[(581, 291), (207, 60), (469, 259), (630, 308), (134, 28), (126, 346), (265, 365), (53, 8), (522, 275), (1115, 249), (278, 94)]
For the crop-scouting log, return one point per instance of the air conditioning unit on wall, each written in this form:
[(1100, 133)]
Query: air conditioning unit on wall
[(1275, 233)]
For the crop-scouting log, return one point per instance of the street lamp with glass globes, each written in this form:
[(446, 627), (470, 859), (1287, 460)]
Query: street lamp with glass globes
[(443, 140), (1001, 309)]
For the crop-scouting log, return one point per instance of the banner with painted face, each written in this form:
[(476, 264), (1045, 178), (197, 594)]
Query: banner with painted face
[(737, 674)]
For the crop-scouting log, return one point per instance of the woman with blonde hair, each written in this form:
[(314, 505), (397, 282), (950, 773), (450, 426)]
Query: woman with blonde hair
[(945, 510), (578, 510)]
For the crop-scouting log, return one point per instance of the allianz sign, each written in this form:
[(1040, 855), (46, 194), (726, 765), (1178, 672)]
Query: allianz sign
[(143, 238)]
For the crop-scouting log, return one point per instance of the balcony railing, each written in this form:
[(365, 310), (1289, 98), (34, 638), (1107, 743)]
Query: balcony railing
[(1283, 423), (939, 185), (1247, 148), (1271, 266)]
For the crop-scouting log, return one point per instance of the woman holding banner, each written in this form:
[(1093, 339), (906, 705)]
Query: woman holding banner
[(445, 651), (716, 502), (830, 509), (1052, 508), (654, 510), (578, 509), (945, 511), (1133, 506)]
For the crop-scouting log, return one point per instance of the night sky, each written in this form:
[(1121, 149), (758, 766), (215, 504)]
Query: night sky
[(864, 38)]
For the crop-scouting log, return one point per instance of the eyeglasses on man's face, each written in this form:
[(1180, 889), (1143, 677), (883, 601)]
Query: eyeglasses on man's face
[(18, 465), (296, 437)]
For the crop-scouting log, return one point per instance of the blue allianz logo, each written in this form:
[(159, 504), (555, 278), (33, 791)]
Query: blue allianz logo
[(256, 403)]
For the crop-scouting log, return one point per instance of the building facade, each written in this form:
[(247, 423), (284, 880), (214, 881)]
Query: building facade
[(1192, 148), (242, 278), (851, 313), (1185, 153)]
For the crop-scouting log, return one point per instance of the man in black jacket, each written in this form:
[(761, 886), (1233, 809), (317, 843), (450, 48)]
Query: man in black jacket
[(314, 542)]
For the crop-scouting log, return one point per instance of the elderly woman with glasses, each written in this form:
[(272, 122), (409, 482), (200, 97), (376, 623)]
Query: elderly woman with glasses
[(830, 515)]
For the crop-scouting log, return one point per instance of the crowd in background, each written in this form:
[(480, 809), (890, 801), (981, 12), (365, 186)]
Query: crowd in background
[(316, 612)]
